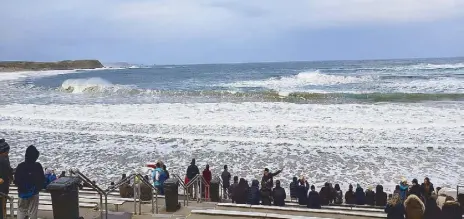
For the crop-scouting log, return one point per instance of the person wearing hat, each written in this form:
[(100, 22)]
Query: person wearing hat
[(6, 174), (403, 189)]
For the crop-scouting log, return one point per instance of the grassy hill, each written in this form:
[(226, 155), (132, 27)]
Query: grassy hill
[(10, 66)]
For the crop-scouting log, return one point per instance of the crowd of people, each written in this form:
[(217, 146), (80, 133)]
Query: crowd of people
[(408, 201)]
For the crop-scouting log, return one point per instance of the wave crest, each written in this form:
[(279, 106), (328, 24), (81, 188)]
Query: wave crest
[(86, 85), (302, 79)]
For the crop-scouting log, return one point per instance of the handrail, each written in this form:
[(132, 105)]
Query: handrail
[(202, 180), (92, 185), (11, 199), (183, 186), (143, 180), (114, 187)]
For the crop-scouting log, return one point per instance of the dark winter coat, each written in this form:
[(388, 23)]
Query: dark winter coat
[(451, 210), (360, 196), (192, 171), (395, 212), (254, 194), (380, 196), (6, 173), (269, 179), (29, 176), (302, 192), (370, 197), (266, 196), (338, 197), (279, 195), (350, 198), (240, 193), (294, 188), (325, 195), (426, 191), (414, 207), (415, 190), (225, 176), (314, 200), (232, 191), (432, 211)]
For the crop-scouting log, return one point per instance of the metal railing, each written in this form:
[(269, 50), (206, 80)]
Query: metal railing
[(92, 185), (11, 199), (181, 182), (202, 182), (127, 180)]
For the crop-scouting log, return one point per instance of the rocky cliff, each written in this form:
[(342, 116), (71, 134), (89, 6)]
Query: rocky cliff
[(41, 66)]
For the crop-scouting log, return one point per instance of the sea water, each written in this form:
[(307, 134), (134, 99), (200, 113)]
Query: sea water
[(366, 122)]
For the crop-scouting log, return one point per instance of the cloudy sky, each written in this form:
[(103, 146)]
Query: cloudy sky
[(217, 31)]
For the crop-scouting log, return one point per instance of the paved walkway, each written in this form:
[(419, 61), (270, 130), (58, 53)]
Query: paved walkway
[(184, 212)]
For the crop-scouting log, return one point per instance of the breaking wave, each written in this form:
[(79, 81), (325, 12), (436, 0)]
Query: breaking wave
[(302, 79), (91, 85)]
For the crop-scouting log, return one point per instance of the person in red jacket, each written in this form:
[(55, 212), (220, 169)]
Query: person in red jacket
[(207, 176)]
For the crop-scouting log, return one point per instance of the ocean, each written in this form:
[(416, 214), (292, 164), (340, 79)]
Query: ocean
[(366, 122)]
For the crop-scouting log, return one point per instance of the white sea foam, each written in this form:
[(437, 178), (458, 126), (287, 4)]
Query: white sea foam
[(301, 80), (348, 143), (19, 75), (85, 84)]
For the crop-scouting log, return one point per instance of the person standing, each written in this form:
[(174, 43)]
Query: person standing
[(192, 171), (6, 174), (29, 178), (395, 208), (225, 176), (268, 177), (427, 188), (158, 178), (207, 177)]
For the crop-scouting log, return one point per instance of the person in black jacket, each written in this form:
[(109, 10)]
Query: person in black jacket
[(268, 177), (451, 209), (240, 193), (293, 188), (192, 171), (380, 196), (29, 178), (338, 195), (350, 198), (325, 194), (314, 201), (432, 211), (415, 188), (254, 194), (6, 174), (360, 195), (279, 195), (370, 196), (302, 191), (226, 177), (232, 188)]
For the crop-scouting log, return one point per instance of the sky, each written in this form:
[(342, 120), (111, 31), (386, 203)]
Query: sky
[(229, 31)]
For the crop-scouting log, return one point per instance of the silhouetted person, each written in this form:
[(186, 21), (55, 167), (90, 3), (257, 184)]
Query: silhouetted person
[(360, 195), (279, 195), (294, 188), (432, 211), (29, 178), (226, 177), (6, 174), (338, 195), (350, 198), (370, 196), (268, 177), (380, 196), (302, 191), (240, 193), (427, 188), (314, 201)]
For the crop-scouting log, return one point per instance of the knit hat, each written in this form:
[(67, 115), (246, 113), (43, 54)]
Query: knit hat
[(4, 147)]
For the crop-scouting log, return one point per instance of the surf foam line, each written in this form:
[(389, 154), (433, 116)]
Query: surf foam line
[(11, 76), (217, 138)]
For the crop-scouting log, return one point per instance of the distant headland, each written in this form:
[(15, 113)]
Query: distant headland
[(12, 66)]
